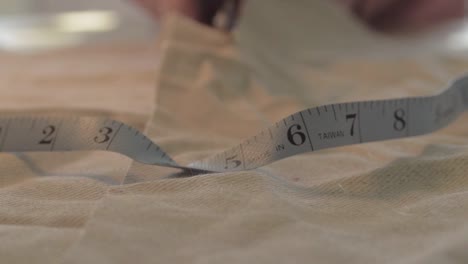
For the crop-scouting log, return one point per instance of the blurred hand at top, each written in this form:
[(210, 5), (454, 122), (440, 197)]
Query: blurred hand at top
[(384, 15)]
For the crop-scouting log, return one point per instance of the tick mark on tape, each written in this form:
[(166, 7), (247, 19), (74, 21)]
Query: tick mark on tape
[(334, 112)]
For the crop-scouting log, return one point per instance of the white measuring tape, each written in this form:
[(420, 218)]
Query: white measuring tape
[(309, 130)]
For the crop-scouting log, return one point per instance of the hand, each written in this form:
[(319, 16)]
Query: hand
[(385, 15), (201, 10), (405, 15)]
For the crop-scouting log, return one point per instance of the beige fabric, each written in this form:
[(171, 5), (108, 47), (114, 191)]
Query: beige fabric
[(399, 201), (45, 199), (403, 201)]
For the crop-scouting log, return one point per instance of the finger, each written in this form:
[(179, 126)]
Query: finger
[(419, 15)]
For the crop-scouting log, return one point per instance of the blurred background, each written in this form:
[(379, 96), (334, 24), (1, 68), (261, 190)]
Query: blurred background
[(31, 25)]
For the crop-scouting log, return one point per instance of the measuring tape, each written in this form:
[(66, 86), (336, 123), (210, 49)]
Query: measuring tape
[(309, 130)]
